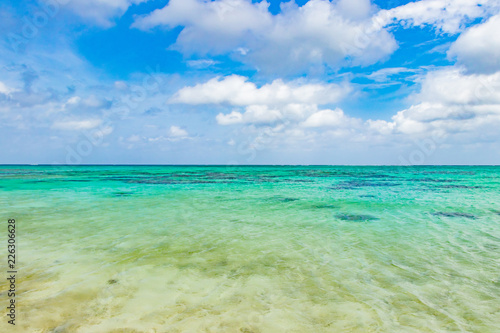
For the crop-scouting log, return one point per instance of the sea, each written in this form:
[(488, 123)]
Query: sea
[(252, 248)]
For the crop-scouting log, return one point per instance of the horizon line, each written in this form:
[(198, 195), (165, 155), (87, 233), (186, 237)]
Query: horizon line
[(249, 165)]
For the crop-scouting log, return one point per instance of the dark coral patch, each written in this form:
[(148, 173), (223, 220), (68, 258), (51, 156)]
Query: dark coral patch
[(356, 217), (431, 180), (287, 199), (454, 214), (458, 186), (355, 184), (122, 194), (324, 206)]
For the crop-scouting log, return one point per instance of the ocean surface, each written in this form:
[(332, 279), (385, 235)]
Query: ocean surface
[(253, 248)]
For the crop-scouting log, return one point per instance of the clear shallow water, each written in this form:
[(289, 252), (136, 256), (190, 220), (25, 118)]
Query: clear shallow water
[(255, 249)]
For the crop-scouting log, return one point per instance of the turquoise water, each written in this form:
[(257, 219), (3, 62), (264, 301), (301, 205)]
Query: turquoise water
[(254, 249)]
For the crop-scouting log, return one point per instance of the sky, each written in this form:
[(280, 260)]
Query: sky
[(250, 82)]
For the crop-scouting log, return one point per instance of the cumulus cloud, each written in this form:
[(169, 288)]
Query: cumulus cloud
[(451, 86), (329, 118), (232, 118), (306, 38), (268, 115), (450, 102), (428, 118), (297, 39), (270, 104), (254, 114), (478, 48), (237, 90), (217, 26), (292, 120)]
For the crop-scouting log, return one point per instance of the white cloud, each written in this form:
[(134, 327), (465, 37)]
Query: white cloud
[(316, 34), (355, 9), (385, 74), (4, 89), (177, 132), (232, 118), (100, 12), (329, 118), (449, 16), (216, 25), (427, 118), (254, 114), (478, 48), (321, 33), (73, 100), (236, 90), (380, 126), (90, 102), (296, 120), (174, 134), (451, 86), (242, 50), (276, 102), (305, 38), (201, 63), (449, 102), (76, 125)]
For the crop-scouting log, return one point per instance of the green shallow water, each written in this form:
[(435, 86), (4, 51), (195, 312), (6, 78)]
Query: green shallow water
[(254, 249)]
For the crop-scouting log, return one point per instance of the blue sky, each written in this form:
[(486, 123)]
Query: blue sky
[(250, 82)]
